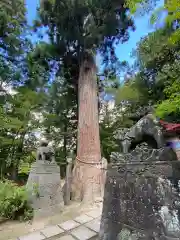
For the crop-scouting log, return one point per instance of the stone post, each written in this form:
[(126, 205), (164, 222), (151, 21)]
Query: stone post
[(67, 190)]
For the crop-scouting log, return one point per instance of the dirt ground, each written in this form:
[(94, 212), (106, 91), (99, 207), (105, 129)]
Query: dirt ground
[(10, 230)]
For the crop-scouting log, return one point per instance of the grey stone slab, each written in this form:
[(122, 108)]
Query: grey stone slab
[(32, 236), (83, 233), (83, 219), (69, 225), (94, 225), (94, 213), (52, 231), (67, 237)]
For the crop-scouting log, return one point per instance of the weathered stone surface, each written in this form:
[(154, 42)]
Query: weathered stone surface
[(45, 193), (32, 236), (83, 219), (51, 231), (68, 225), (141, 200), (134, 198), (94, 225), (83, 233)]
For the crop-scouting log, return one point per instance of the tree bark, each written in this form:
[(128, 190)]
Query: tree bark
[(87, 173)]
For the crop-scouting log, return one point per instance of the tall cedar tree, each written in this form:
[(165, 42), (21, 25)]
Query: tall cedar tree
[(79, 29)]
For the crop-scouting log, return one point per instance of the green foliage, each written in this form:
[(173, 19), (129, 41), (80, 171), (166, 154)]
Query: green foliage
[(155, 50), (159, 64), (171, 7), (24, 168), (60, 118), (170, 106), (17, 122), (157, 81), (12, 25), (28, 75), (108, 142), (13, 202), (27, 79), (13, 41), (128, 92), (76, 27), (111, 121), (140, 6), (90, 29)]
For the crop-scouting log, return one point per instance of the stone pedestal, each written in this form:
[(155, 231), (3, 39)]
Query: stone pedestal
[(44, 189), (140, 203)]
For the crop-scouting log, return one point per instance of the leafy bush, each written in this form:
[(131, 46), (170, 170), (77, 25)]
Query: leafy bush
[(13, 201)]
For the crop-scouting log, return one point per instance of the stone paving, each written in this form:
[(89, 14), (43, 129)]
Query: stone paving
[(83, 227)]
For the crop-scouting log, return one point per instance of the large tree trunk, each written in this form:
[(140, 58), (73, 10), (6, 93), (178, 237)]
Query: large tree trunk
[(87, 172)]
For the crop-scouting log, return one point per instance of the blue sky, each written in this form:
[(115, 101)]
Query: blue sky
[(143, 27), (31, 7)]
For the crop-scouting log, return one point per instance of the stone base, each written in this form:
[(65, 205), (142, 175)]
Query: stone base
[(47, 212), (140, 202), (44, 189)]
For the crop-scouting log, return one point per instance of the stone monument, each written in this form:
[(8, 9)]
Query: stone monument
[(141, 199), (43, 185)]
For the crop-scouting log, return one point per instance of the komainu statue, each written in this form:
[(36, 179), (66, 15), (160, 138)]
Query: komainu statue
[(141, 197), (147, 129), (44, 183), (45, 152)]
